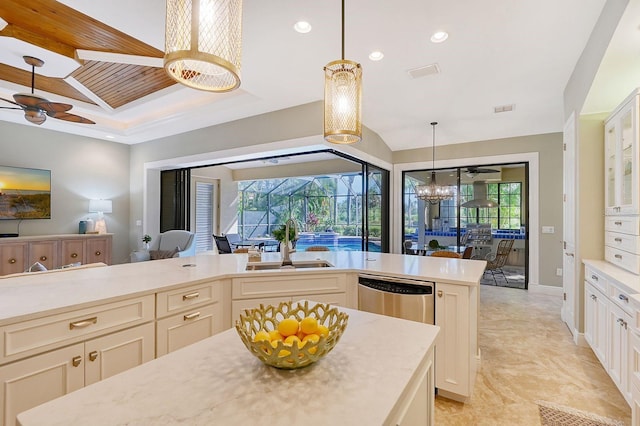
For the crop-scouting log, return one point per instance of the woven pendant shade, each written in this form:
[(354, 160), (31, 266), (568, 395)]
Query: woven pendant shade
[(342, 99), (203, 43)]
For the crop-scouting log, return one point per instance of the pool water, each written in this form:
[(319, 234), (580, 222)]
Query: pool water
[(338, 244)]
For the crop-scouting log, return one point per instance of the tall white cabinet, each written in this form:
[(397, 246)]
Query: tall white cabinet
[(622, 225)]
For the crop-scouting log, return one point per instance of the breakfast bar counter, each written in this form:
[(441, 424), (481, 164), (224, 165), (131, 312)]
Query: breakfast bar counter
[(379, 373)]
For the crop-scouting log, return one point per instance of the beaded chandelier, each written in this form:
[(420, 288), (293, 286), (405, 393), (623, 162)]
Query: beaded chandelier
[(432, 192)]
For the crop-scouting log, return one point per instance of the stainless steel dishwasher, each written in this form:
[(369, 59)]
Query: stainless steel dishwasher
[(404, 298)]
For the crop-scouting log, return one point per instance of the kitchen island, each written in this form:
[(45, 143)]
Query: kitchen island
[(63, 331), (379, 373)]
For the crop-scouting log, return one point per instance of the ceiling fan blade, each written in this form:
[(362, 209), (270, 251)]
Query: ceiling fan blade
[(28, 100), (71, 117), (1, 107), (11, 102), (53, 107)]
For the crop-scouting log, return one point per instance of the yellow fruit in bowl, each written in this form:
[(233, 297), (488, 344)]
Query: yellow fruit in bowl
[(323, 330), (288, 327), (309, 325), (313, 338), (275, 335), (262, 335), (290, 340)]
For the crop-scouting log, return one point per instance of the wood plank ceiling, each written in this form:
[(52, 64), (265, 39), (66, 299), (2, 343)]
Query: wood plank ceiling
[(53, 26)]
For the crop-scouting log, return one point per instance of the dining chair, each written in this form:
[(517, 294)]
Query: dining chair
[(222, 243), (241, 250), (495, 262), (468, 251), (407, 247)]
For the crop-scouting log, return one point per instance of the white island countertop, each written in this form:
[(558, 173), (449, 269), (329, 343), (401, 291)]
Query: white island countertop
[(217, 381), (41, 294)]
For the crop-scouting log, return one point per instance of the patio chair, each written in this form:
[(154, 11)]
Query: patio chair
[(317, 248), (407, 247), (495, 262), (222, 243)]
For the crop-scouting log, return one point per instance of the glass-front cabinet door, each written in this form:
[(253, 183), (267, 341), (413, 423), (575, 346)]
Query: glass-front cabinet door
[(621, 162)]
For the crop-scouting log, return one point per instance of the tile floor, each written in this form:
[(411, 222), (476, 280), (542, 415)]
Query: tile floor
[(528, 354), (513, 277)]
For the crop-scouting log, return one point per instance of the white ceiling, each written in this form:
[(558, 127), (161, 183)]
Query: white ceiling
[(499, 52)]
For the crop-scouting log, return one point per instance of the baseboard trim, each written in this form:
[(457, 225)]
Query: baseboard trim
[(545, 289)]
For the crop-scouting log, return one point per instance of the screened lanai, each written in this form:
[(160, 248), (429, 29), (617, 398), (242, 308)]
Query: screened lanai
[(328, 209)]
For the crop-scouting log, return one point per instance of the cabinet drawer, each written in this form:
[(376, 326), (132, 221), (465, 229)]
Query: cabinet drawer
[(623, 259), (626, 242), (13, 258), (72, 251), (238, 306), (45, 252), (253, 287), (172, 301), (30, 337), (180, 330), (620, 297), (624, 224), (596, 279)]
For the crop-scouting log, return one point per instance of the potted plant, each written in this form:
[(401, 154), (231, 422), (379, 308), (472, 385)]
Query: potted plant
[(279, 234), (146, 239)]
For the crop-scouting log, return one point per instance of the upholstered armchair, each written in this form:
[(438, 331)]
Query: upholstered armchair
[(175, 243)]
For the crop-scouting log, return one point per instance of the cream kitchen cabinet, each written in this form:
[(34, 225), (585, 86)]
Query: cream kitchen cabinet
[(456, 346), (596, 311), (187, 315), (41, 378), (621, 158), (618, 355), (250, 292)]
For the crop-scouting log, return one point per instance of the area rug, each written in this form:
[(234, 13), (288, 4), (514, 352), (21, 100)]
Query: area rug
[(558, 415)]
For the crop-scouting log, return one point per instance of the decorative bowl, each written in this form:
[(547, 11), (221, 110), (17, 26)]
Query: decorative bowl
[(293, 356)]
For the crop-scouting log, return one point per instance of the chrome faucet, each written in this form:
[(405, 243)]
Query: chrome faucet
[(286, 260)]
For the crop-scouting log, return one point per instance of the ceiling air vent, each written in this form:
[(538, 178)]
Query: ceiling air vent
[(504, 108), (424, 71)]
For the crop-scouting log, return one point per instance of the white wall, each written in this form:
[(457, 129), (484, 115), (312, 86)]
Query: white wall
[(81, 168)]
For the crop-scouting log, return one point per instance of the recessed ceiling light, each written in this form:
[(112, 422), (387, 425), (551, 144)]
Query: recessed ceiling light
[(376, 55), (302, 27), (110, 137), (439, 36)]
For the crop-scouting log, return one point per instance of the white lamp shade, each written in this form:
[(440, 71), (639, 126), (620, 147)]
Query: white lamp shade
[(100, 206)]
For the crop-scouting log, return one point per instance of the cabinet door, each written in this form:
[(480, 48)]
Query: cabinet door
[(595, 326), (610, 157), (45, 252), (115, 353), (628, 161), (72, 252), (13, 258), (98, 250), (453, 350), (33, 381), (618, 348), (183, 329)]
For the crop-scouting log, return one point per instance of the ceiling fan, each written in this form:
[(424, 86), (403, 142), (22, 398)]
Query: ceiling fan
[(37, 108), (475, 171)]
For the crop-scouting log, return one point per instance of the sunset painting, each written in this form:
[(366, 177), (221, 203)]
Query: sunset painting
[(25, 193)]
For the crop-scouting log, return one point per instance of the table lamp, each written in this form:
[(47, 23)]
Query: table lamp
[(100, 207)]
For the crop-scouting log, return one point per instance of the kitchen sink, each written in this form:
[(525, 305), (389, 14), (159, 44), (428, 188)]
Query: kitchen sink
[(296, 265)]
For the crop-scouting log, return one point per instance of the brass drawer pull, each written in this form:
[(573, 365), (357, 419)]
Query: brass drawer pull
[(440, 293), (76, 360), (98, 252), (191, 316), (12, 261), (43, 258), (83, 323), (190, 296), (74, 255), (93, 355)]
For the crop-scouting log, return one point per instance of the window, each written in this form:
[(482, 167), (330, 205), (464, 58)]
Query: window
[(509, 213)]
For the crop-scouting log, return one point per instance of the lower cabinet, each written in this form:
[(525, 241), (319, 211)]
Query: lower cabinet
[(13, 258), (180, 330), (417, 407), (35, 380), (618, 346), (454, 352), (596, 310)]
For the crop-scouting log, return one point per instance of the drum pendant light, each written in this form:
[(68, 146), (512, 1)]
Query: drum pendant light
[(434, 193), (203, 43), (342, 99)]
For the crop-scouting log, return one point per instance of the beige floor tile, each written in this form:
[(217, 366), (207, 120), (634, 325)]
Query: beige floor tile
[(528, 354)]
